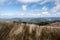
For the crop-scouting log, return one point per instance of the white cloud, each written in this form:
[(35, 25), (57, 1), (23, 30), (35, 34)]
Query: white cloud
[(42, 12), (57, 7), (28, 1), (21, 14), (11, 15), (31, 1), (44, 1), (24, 7), (45, 13), (2, 2), (34, 15), (45, 8), (57, 14)]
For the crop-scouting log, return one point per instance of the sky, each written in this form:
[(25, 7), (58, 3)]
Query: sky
[(29, 8)]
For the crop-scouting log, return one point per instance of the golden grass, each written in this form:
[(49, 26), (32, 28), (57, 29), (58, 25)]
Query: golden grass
[(21, 31)]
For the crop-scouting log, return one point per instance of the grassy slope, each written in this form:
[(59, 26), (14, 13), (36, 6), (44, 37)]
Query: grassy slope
[(21, 31)]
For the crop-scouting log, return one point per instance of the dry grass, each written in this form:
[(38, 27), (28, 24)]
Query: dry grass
[(21, 31)]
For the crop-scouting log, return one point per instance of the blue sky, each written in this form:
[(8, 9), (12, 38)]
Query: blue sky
[(29, 8)]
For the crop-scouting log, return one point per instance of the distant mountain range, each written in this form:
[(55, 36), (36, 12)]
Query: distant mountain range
[(32, 20)]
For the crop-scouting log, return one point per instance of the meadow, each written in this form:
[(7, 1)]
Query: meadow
[(23, 31)]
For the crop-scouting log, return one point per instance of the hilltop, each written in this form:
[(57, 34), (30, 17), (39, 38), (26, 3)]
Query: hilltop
[(22, 31)]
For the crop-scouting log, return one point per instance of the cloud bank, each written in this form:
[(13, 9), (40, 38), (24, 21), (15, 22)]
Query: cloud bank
[(45, 11)]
